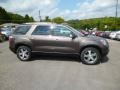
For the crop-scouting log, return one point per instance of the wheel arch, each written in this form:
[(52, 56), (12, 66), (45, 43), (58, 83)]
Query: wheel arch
[(21, 44), (94, 46)]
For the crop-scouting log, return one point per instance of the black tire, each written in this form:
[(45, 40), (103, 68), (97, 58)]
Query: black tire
[(27, 53), (87, 60), (2, 38)]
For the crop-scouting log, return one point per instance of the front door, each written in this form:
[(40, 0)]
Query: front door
[(62, 40)]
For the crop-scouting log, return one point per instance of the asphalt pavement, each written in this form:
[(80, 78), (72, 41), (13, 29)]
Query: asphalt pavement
[(52, 72)]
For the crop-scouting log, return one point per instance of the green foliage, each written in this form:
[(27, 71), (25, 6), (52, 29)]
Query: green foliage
[(47, 19), (15, 18), (28, 18), (4, 17), (58, 20), (112, 23), (98, 23), (7, 17)]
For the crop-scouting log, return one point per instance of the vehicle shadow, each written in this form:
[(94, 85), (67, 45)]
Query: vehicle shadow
[(105, 59), (57, 57)]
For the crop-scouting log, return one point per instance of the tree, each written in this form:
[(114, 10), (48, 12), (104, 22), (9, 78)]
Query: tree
[(98, 23), (47, 19), (8, 17), (4, 17), (16, 18), (58, 20), (31, 19), (27, 18)]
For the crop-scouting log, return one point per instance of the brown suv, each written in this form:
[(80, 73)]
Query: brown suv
[(54, 38)]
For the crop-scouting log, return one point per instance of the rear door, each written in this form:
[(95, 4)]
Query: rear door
[(41, 38)]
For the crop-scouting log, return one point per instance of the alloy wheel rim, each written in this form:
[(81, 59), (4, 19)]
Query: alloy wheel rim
[(90, 56), (23, 53)]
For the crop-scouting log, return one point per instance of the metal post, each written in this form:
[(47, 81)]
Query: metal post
[(116, 9), (116, 14), (39, 16)]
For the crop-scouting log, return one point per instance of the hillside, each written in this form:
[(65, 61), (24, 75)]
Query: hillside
[(105, 23), (8, 17)]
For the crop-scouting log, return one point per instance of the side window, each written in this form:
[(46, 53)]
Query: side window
[(21, 30), (61, 31), (41, 30)]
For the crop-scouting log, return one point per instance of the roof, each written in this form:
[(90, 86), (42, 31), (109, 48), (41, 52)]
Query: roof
[(9, 24), (40, 23)]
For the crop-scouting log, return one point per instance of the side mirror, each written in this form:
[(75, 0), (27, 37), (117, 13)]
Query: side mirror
[(73, 36)]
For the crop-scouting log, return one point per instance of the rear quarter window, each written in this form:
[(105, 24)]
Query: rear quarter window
[(21, 30)]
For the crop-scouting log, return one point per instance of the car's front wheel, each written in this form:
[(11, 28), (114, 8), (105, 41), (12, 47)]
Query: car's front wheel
[(90, 56), (24, 53)]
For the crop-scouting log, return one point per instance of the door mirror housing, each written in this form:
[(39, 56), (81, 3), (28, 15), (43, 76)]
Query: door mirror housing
[(73, 36)]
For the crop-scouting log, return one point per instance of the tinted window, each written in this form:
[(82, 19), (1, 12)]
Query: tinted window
[(76, 31), (21, 30), (5, 29), (41, 30), (61, 31)]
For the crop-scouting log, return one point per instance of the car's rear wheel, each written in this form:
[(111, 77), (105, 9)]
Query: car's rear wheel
[(24, 53), (90, 56)]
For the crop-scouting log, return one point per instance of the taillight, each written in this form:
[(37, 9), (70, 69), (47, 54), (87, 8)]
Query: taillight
[(10, 39)]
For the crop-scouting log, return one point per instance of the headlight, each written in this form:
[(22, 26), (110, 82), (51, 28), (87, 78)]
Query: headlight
[(104, 42)]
